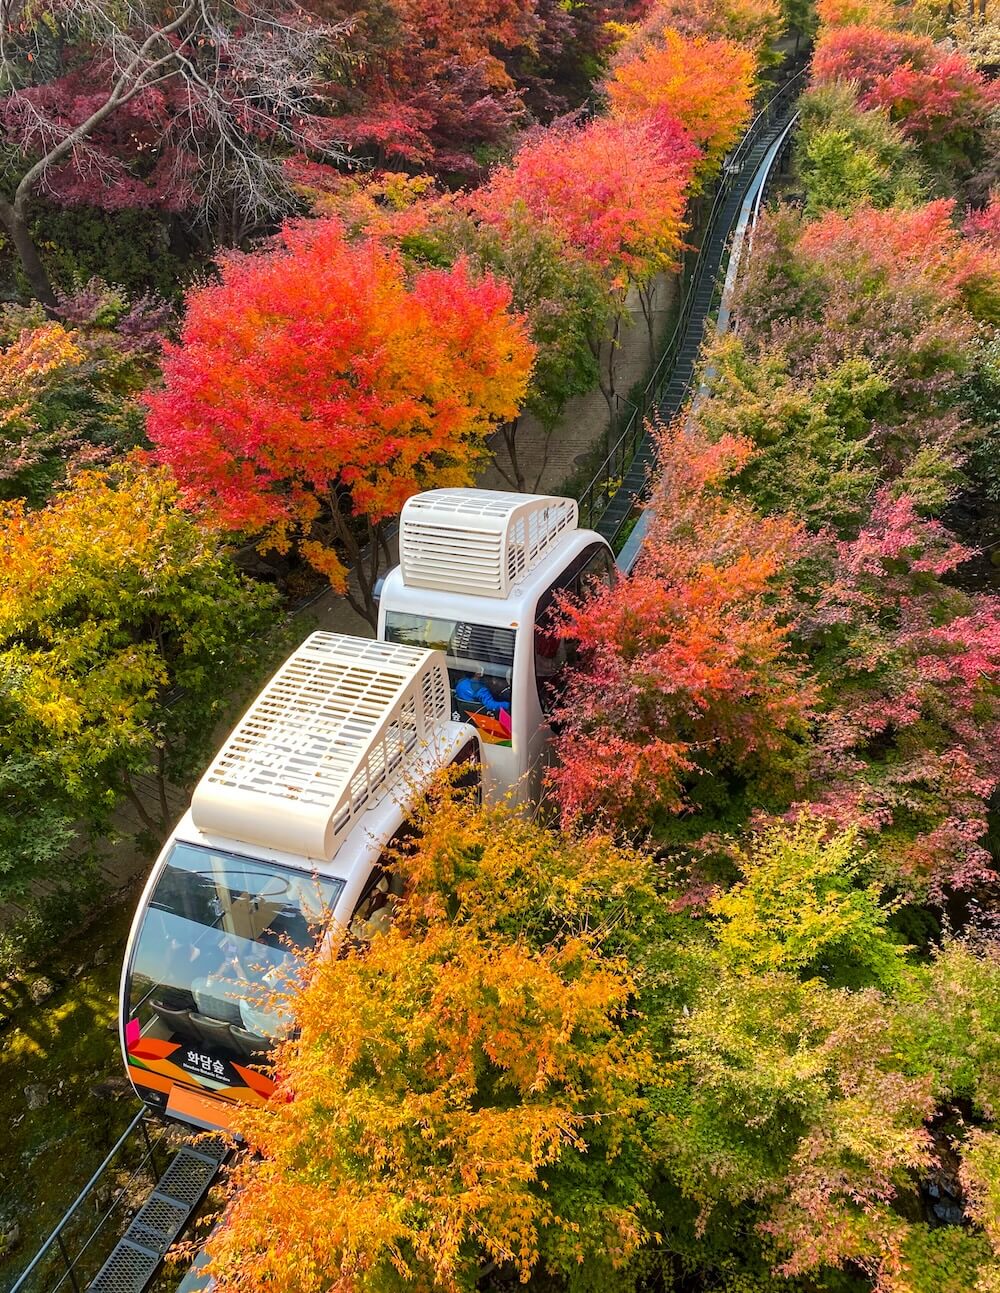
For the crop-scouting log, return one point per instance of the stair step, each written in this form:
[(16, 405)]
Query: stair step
[(136, 1258), (706, 283)]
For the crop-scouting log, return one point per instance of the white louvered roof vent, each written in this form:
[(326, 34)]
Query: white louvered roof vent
[(479, 541), (336, 725)]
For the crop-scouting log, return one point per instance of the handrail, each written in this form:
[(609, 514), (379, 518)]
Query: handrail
[(598, 492), (55, 1240), (779, 146)]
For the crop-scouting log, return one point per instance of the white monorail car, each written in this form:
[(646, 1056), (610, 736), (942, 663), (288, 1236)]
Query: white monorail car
[(479, 577), (292, 821)]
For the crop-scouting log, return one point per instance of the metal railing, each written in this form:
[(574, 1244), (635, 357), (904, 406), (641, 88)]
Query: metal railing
[(781, 150), (597, 495), (772, 164), (77, 1247)]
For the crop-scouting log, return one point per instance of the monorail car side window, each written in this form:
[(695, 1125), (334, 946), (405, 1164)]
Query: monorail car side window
[(481, 652), (553, 652), (598, 567), (373, 914), (374, 909)]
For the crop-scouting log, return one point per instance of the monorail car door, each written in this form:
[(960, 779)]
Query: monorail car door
[(552, 656)]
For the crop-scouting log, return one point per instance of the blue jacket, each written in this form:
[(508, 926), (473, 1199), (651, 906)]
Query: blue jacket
[(475, 692)]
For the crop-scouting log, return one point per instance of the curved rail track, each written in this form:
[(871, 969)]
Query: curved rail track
[(609, 501)]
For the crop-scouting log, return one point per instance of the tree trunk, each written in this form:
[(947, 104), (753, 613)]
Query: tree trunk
[(596, 347), (545, 458), (15, 222), (362, 562), (509, 431), (161, 784), (132, 795), (647, 303), (606, 375)]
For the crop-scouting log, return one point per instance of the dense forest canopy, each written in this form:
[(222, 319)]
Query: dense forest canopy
[(724, 1016)]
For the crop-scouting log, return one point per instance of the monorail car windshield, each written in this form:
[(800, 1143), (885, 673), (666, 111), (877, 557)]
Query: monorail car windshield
[(220, 939)]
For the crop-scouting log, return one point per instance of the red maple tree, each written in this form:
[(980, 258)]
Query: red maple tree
[(688, 666), (865, 54), (314, 390), (613, 190), (935, 103), (441, 83), (983, 225), (909, 744)]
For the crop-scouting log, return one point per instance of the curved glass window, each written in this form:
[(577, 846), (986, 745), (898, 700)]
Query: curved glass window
[(222, 937), (555, 655)]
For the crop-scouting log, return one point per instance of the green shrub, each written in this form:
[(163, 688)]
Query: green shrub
[(45, 921), (815, 457), (129, 248), (845, 156)]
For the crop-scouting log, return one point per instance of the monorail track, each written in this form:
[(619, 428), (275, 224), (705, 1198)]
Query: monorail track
[(606, 507)]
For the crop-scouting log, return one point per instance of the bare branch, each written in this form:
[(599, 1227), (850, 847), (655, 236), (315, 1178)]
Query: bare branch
[(242, 82), (120, 94)]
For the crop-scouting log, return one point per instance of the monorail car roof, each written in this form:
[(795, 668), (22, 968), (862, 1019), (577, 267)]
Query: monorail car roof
[(479, 542), (337, 725)]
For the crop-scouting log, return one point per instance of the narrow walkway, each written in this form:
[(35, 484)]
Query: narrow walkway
[(677, 386), (163, 1217), (549, 460)]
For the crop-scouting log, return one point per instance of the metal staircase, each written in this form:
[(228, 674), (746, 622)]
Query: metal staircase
[(87, 1250), (137, 1256), (609, 501)]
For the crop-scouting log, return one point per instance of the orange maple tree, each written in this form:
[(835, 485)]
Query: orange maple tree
[(614, 191), (707, 85), (315, 388), (29, 363), (467, 1088), (688, 668)]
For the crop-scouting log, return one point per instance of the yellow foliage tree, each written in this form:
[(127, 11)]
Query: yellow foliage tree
[(26, 365), (119, 620), (468, 1089), (849, 13)]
